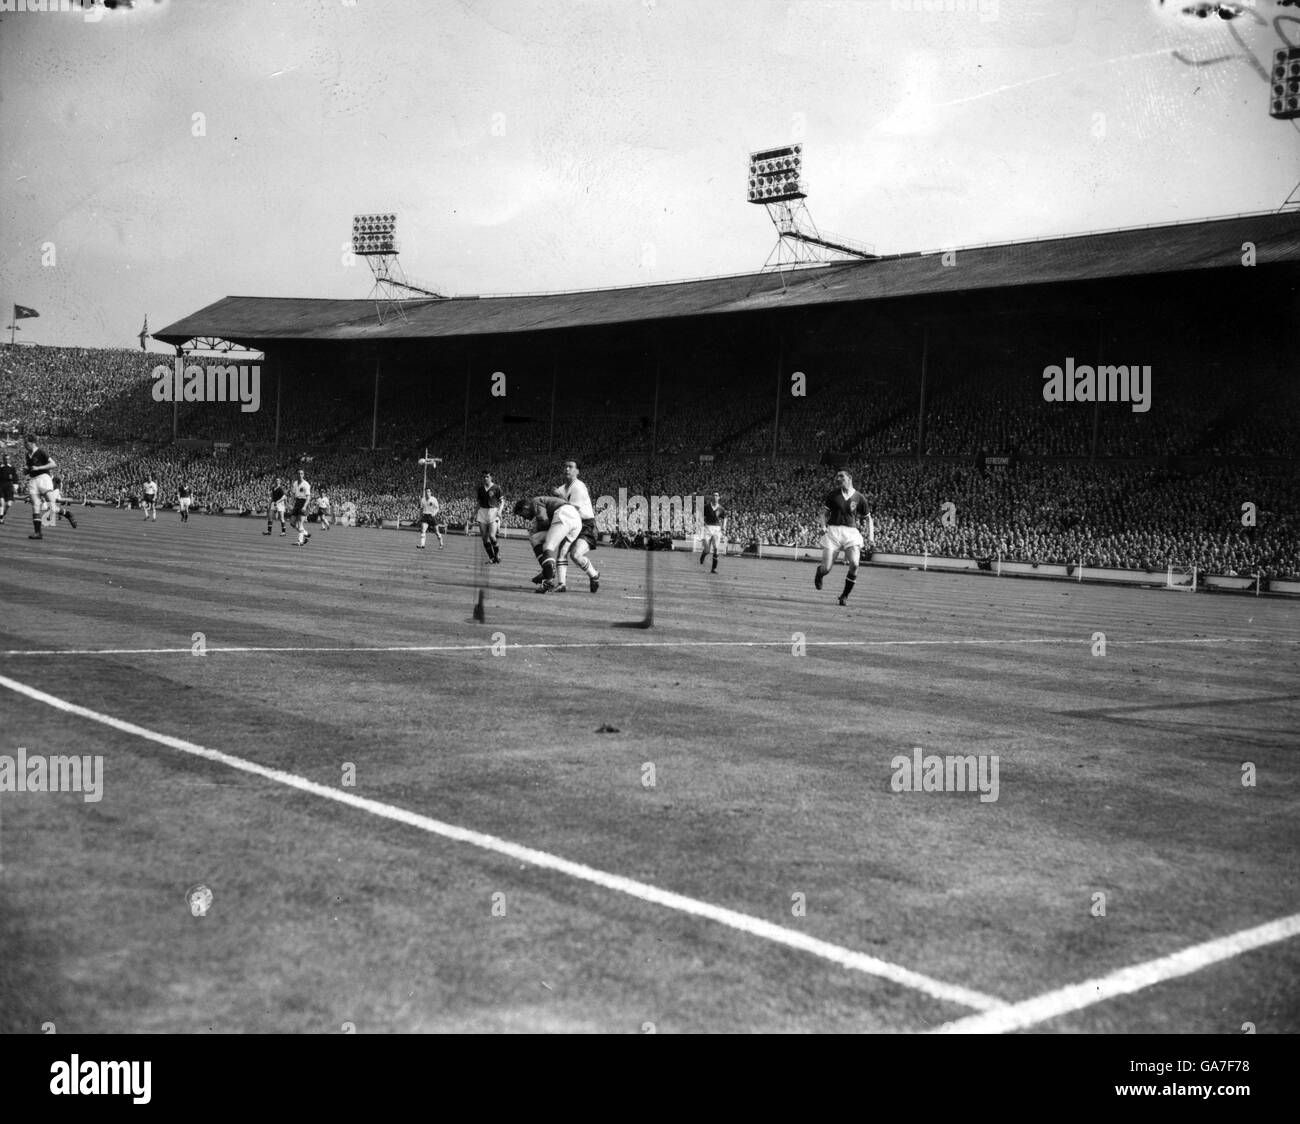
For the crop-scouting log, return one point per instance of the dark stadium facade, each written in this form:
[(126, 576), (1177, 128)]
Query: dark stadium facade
[(1222, 296)]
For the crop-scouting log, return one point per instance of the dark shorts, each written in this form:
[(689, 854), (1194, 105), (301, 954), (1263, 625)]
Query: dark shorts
[(588, 533), (430, 521), (7, 492), (298, 507), (151, 499)]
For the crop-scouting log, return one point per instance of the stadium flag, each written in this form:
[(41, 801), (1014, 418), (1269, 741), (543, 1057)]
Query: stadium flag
[(22, 312), (144, 333)]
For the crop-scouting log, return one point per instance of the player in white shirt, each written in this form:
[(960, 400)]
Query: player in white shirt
[(55, 510), (300, 490), (151, 498), (429, 517), (323, 510), (574, 491)]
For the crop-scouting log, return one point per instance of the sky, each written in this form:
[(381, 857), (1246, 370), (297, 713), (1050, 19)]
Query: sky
[(160, 157)]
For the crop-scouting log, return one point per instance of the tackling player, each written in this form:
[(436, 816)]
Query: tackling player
[(39, 482), (715, 522), (429, 508), (844, 509), (490, 502), (8, 486), (301, 492), (276, 506), (561, 522)]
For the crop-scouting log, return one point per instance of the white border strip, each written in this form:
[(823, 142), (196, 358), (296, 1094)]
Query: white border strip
[(211, 649), (1053, 1004), (753, 926)]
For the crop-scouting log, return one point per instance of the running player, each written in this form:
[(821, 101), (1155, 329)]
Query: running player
[(39, 482), (151, 497), (276, 506), (561, 523), (574, 491), (323, 510), (844, 509), (715, 523), (490, 502), (429, 509), (301, 492), (56, 510), (8, 486), (184, 498)]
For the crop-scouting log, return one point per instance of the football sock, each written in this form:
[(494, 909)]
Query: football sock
[(562, 570), (36, 522), (548, 564), (487, 546), (848, 585), (585, 566)]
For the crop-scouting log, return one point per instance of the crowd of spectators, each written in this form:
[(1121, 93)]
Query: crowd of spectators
[(95, 410)]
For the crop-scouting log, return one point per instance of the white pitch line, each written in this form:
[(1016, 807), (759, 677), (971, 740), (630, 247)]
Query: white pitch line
[(640, 644), (1052, 1004), (743, 922)]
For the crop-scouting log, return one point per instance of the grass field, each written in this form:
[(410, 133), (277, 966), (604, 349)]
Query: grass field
[(730, 857)]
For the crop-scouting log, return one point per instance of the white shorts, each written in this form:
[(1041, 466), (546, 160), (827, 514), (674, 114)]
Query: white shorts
[(566, 524), (185, 502), (38, 487), (277, 508), (489, 515), (712, 532), (841, 538)]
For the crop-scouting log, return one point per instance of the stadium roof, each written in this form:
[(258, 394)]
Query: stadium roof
[(1145, 251)]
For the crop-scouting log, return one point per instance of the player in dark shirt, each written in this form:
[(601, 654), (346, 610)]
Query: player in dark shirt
[(8, 486), (276, 507), (557, 524), (184, 498), (39, 482), (844, 509), (715, 517), (490, 502)]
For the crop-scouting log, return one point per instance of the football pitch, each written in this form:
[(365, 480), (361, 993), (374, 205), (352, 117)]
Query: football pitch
[(410, 820)]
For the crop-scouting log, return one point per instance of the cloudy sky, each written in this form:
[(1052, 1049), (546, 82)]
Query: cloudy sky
[(159, 158)]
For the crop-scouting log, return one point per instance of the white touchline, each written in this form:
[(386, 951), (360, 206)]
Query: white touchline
[(211, 649), (1062, 1001), (754, 926)]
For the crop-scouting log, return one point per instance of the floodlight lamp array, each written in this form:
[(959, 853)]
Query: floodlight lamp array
[(374, 234), (774, 174), (1284, 100)]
